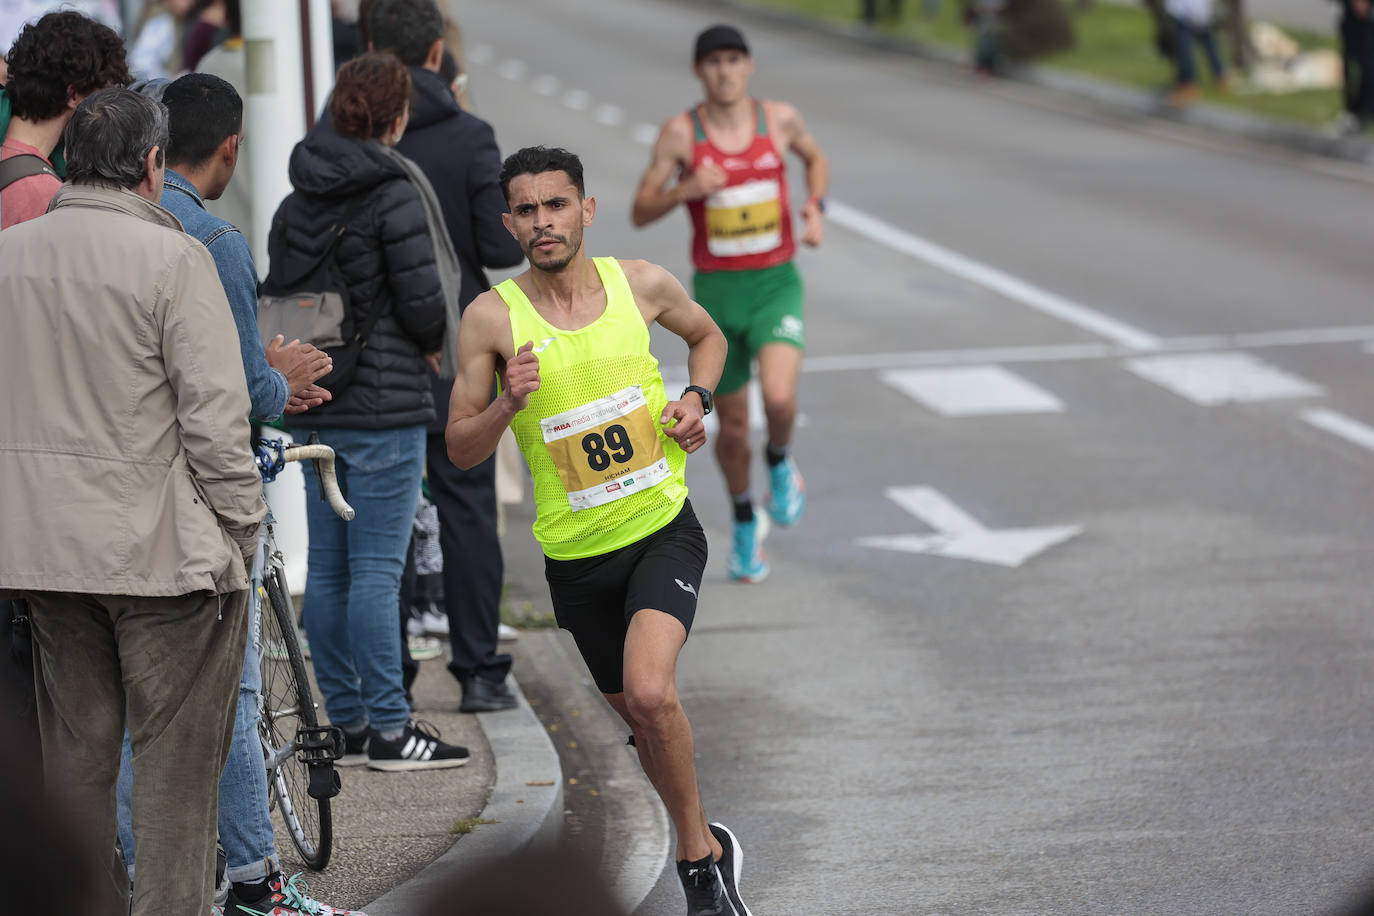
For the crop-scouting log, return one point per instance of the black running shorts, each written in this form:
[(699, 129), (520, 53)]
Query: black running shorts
[(595, 597)]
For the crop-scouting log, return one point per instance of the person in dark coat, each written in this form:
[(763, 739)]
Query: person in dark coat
[(344, 177), (457, 151)]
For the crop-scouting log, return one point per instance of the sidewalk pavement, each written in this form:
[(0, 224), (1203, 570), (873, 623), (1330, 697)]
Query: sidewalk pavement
[(1119, 100), (394, 838)]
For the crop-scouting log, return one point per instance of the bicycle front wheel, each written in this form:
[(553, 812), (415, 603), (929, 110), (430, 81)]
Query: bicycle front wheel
[(287, 707)]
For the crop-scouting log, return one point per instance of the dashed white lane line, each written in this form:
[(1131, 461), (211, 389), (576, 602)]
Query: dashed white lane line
[(989, 277), (969, 391), (481, 54), (1339, 424), (513, 70), (609, 115), (644, 134), (546, 85), (1209, 379), (577, 99)]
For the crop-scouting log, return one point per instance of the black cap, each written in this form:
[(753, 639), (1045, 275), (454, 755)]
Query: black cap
[(719, 37)]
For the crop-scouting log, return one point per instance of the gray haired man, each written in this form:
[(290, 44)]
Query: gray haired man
[(130, 496)]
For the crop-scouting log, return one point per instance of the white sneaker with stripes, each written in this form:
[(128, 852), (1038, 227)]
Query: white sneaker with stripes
[(418, 748)]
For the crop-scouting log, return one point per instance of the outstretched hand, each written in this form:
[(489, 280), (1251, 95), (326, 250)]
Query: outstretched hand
[(682, 422), (312, 396), (301, 363), (522, 376)]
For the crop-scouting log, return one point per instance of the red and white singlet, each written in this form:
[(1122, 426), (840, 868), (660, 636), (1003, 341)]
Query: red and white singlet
[(747, 224)]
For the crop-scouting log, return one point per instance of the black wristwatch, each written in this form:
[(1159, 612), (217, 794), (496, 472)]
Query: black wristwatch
[(703, 394)]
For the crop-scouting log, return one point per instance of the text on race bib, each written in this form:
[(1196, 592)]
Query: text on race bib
[(744, 219), (607, 449)]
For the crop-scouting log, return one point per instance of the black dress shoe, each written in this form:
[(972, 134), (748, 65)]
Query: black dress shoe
[(482, 695)]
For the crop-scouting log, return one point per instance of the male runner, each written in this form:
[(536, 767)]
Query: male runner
[(568, 341), (723, 158)]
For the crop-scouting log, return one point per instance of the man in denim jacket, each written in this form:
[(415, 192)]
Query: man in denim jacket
[(199, 165)]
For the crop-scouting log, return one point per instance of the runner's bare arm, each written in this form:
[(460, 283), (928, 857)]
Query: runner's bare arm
[(661, 298), (800, 141), (475, 423), (672, 155)]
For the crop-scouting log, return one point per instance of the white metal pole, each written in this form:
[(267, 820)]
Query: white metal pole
[(321, 52), (274, 107)]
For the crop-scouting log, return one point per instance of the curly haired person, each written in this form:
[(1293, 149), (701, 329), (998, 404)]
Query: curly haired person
[(54, 63)]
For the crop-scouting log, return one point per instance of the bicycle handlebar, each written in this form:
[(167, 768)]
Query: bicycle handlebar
[(328, 479)]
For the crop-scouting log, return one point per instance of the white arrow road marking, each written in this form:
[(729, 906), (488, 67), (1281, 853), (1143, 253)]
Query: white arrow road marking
[(961, 536), (968, 391)]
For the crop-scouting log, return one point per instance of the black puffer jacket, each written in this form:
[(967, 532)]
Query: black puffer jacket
[(386, 258)]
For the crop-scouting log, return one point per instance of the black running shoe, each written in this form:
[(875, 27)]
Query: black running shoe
[(704, 889), (731, 864), (418, 748)]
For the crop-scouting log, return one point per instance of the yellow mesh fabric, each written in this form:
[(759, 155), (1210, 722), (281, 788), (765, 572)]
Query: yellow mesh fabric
[(576, 368)]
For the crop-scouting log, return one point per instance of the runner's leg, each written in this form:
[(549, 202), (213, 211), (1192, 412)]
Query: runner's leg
[(663, 735), (779, 370), (733, 451)]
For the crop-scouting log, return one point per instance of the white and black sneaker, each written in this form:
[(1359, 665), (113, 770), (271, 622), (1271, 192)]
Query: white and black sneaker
[(731, 865), (355, 750), (418, 748), (704, 889)]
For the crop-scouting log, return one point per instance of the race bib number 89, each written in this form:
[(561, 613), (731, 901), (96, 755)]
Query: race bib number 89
[(607, 449)]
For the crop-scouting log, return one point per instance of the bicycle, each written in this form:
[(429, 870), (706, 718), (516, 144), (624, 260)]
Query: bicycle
[(298, 752)]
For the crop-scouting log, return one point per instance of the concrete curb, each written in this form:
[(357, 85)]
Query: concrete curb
[(526, 805), (1218, 119)]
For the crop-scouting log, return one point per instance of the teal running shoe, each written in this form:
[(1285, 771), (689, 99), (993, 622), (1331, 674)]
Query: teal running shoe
[(789, 493), (747, 562)]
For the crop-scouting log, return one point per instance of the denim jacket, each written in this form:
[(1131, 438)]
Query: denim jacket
[(267, 387)]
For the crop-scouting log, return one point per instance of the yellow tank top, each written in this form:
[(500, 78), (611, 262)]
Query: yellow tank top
[(605, 475)]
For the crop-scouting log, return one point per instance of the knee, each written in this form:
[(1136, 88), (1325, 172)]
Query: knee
[(779, 402), (651, 703)]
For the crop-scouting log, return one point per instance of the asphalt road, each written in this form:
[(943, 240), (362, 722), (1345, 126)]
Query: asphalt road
[(1162, 350)]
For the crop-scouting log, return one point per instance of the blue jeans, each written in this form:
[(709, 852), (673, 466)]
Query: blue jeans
[(245, 827), (354, 579), (1185, 33)]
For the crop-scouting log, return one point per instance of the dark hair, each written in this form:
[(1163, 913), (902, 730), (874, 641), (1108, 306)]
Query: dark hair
[(110, 135), (406, 28), (535, 160), (61, 51), (233, 18), (370, 92), (202, 110), (448, 67)]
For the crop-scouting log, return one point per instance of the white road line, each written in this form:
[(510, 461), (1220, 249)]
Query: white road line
[(959, 357), (1005, 284), (513, 70), (971, 391), (1052, 353), (481, 54), (577, 99), (644, 134), (1209, 379), (1340, 425), (546, 85), (609, 115)]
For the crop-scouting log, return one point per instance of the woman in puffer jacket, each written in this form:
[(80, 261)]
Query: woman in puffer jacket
[(344, 177)]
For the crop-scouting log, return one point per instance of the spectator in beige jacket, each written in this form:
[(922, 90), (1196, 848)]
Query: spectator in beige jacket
[(129, 496)]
